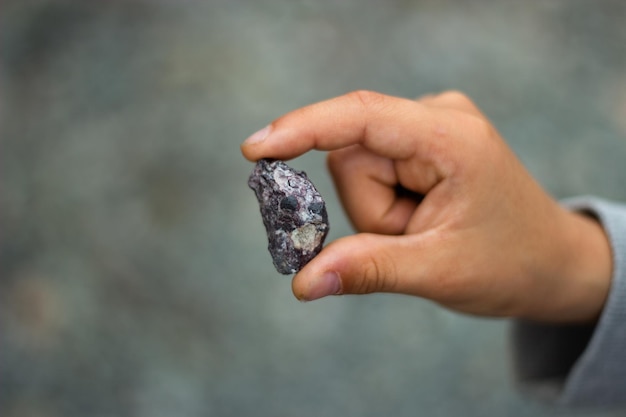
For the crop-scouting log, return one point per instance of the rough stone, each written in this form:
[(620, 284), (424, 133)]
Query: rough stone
[(293, 211)]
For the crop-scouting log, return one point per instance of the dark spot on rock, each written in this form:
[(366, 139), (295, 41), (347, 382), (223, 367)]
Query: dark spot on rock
[(316, 208), (289, 203)]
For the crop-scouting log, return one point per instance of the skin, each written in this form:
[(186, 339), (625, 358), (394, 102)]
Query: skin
[(486, 239)]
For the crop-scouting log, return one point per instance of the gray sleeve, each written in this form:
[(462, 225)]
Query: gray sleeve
[(581, 365)]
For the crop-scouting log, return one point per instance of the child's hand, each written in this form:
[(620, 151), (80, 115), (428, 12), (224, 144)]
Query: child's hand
[(485, 239)]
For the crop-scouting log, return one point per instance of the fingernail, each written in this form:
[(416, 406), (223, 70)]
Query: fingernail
[(327, 284), (258, 136)]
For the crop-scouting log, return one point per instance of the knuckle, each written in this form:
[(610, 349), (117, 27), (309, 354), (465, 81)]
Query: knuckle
[(378, 275), (481, 127), (455, 96), (372, 277), (369, 102), (366, 98)]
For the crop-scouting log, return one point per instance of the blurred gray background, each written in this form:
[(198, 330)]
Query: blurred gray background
[(134, 276)]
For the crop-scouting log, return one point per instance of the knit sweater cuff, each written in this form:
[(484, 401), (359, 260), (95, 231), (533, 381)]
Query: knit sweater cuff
[(581, 365)]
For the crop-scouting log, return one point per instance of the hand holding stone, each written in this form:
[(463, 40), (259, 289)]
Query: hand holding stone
[(485, 239)]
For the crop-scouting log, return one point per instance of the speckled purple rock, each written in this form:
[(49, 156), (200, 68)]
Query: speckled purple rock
[(293, 211)]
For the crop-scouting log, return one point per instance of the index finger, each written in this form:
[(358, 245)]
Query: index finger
[(392, 127)]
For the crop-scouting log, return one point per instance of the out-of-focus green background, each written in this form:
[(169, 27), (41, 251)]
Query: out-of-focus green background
[(134, 279)]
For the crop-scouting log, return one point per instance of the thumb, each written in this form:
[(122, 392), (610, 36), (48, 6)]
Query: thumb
[(362, 264)]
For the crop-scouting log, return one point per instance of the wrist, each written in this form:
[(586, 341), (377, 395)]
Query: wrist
[(581, 273)]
